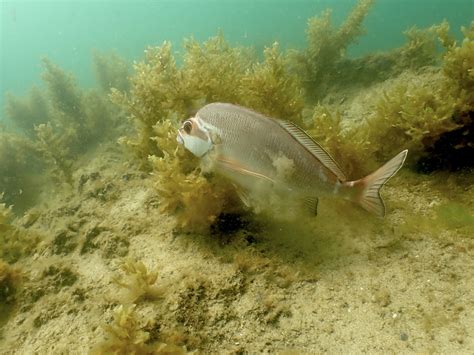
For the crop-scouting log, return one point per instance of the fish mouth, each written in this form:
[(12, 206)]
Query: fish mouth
[(179, 138)]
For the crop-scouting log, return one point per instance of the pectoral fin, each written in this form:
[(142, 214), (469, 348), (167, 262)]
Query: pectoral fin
[(243, 195), (235, 166)]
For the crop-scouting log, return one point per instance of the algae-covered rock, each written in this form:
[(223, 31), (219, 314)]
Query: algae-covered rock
[(10, 280)]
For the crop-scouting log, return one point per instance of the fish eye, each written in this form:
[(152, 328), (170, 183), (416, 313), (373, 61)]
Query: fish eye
[(187, 126)]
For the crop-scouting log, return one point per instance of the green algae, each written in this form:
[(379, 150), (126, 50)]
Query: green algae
[(456, 216)]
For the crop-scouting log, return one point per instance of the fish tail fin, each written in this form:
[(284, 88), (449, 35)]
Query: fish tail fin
[(368, 188)]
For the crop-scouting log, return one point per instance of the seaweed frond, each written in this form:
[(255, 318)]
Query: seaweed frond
[(63, 92), (344, 145), (10, 280), (5, 214), (139, 282), (421, 48), (111, 71), (458, 66), (271, 89), (83, 117), (213, 70), (15, 242), (28, 112), (56, 151), (127, 334), (20, 168), (327, 47), (412, 115), (156, 92), (184, 190)]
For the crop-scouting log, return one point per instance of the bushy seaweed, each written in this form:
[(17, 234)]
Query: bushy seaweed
[(21, 169), (214, 69), (458, 66), (10, 280), (139, 282), (26, 113), (327, 46), (53, 129), (160, 90), (82, 118), (111, 71), (15, 241), (128, 334), (419, 51), (56, 152), (156, 92), (124, 335), (184, 190), (269, 87), (429, 112)]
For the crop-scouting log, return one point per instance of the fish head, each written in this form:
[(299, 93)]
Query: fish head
[(195, 136)]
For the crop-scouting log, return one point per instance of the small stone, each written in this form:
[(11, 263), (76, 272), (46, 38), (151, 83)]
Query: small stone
[(404, 336)]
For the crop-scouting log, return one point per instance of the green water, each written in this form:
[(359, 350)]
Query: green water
[(114, 237), (67, 31)]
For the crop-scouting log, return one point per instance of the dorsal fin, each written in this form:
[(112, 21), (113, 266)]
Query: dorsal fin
[(313, 147)]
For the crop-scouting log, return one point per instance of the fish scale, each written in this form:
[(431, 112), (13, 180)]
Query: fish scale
[(265, 139)]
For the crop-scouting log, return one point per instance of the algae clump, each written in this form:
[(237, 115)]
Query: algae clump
[(10, 280), (128, 334), (429, 112), (268, 87), (139, 282)]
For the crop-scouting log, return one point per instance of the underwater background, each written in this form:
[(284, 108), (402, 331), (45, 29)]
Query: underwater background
[(68, 31), (115, 239)]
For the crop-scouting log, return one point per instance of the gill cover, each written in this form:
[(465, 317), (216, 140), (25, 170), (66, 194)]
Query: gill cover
[(195, 137)]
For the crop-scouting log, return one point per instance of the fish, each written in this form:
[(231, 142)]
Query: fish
[(257, 152)]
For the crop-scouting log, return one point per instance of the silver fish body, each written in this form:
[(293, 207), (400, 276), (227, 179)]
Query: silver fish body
[(254, 151), (261, 147)]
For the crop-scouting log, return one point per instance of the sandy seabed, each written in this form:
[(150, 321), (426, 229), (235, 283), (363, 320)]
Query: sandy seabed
[(254, 289), (341, 282)]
